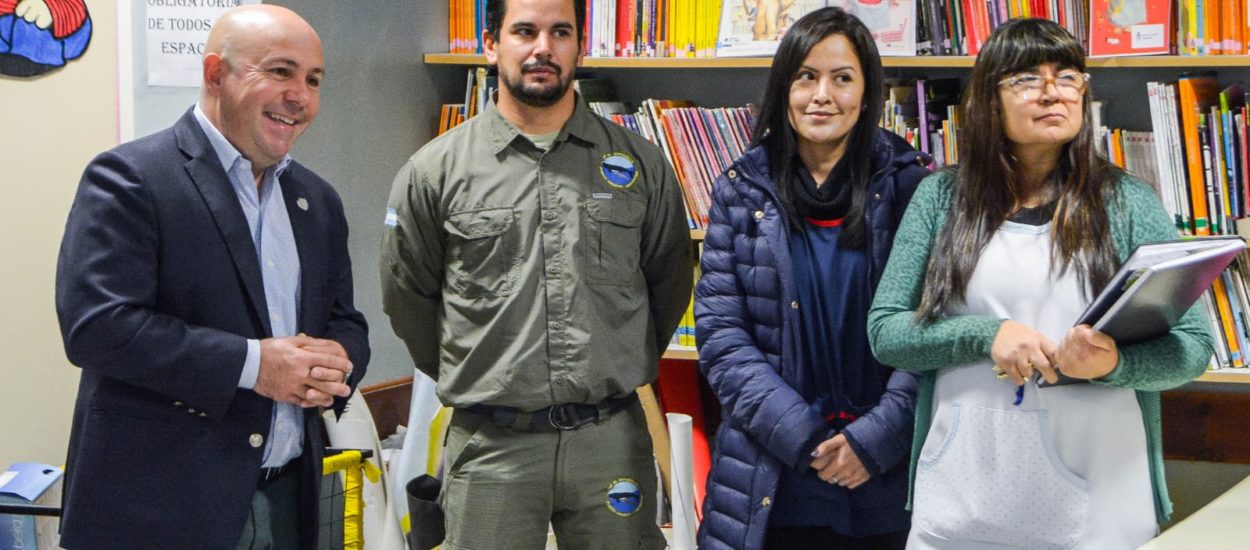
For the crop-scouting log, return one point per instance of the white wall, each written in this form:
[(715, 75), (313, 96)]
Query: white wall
[(52, 126)]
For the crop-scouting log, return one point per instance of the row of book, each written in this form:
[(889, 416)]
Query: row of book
[(706, 28), (652, 28), (614, 28), (1201, 152), (1211, 27), (466, 19)]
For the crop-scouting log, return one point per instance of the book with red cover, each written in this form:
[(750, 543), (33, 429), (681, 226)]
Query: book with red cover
[(1129, 27)]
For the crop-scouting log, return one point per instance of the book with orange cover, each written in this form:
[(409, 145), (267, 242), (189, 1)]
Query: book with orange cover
[(1197, 93), (1129, 27), (1236, 357)]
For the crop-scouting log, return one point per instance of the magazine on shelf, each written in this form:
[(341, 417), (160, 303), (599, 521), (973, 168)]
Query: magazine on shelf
[(1158, 283)]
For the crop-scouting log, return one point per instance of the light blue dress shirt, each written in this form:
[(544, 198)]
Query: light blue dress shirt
[(270, 226)]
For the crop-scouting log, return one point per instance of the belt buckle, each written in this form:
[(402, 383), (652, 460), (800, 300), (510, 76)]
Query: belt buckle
[(562, 417)]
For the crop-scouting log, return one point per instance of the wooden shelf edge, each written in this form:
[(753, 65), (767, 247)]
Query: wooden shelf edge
[(683, 354), (1226, 376), (1133, 62)]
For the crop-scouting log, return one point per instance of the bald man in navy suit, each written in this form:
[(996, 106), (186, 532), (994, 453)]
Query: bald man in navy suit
[(204, 288)]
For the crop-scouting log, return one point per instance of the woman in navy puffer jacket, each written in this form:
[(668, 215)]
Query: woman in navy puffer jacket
[(813, 446)]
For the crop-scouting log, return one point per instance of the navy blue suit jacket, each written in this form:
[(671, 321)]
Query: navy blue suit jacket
[(158, 289)]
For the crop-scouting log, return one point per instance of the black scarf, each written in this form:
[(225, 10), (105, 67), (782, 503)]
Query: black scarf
[(829, 201)]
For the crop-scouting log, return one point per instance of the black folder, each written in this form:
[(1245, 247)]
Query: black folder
[(1158, 283)]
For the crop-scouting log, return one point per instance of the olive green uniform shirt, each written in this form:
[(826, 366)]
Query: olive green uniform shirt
[(525, 278)]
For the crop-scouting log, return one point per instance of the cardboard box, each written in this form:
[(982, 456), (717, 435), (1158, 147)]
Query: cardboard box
[(30, 483)]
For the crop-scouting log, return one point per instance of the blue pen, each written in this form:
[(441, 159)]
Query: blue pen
[(1019, 395)]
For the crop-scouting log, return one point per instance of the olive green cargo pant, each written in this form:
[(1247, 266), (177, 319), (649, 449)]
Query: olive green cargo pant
[(595, 485)]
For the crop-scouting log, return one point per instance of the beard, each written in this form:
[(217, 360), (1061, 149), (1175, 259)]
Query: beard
[(537, 95)]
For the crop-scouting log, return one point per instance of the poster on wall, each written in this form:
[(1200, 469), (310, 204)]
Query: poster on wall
[(176, 31)]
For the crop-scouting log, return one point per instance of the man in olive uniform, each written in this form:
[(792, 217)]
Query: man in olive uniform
[(536, 262)]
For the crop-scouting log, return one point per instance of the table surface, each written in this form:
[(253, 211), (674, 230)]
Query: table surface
[(1222, 524)]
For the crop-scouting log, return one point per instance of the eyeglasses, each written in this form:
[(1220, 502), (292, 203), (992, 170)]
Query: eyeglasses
[(1028, 87)]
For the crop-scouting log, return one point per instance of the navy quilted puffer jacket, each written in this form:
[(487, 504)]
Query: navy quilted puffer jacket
[(747, 330)]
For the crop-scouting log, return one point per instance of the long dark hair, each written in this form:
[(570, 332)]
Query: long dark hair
[(775, 135), (987, 179)]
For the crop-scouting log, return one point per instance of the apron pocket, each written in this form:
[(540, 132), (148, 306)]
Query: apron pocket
[(995, 478)]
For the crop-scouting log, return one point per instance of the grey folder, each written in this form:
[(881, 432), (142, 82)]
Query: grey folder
[(1158, 283)]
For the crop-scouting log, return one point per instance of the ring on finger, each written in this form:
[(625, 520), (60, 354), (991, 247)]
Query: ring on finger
[(833, 481), (999, 372)]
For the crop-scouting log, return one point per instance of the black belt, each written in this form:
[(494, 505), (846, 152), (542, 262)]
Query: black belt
[(268, 475), (566, 416)]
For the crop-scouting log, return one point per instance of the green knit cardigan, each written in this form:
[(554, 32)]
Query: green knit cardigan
[(899, 340)]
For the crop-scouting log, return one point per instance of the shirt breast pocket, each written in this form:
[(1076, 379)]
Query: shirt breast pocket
[(483, 252), (612, 235)]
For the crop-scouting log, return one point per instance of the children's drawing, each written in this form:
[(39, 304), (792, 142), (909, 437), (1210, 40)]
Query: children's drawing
[(37, 36)]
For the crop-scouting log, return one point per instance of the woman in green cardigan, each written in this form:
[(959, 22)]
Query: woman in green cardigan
[(993, 262)]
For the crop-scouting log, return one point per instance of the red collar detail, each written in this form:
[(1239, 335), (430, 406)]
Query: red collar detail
[(825, 223)]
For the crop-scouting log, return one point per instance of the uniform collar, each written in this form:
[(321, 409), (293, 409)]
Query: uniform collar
[(583, 125)]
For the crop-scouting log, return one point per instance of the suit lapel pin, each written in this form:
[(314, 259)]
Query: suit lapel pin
[(302, 203)]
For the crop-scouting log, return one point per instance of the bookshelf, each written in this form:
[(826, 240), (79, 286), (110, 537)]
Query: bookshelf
[(918, 62), (1118, 81)]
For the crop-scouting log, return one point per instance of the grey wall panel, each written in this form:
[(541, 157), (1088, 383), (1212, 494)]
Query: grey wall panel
[(378, 106)]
